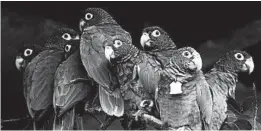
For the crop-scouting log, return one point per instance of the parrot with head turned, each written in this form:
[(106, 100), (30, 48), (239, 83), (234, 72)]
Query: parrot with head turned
[(70, 97), (98, 29)]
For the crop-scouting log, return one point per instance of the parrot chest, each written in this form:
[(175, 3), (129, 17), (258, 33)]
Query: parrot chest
[(180, 110)]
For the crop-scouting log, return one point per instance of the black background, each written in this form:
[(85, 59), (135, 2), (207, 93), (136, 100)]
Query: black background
[(188, 23)]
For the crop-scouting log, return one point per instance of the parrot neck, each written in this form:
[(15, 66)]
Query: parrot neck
[(132, 54), (161, 50), (226, 81)]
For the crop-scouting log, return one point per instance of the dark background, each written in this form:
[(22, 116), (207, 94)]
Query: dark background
[(211, 27)]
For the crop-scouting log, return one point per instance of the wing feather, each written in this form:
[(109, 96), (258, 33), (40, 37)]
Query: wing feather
[(67, 95), (38, 80)]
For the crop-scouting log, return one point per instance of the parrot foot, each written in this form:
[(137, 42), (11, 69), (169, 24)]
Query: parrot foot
[(92, 109), (183, 128), (108, 121), (137, 115), (146, 104)]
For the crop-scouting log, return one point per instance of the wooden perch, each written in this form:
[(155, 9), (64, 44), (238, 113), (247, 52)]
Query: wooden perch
[(153, 121), (256, 108)]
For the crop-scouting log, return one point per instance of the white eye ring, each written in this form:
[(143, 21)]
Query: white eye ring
[(28, 52), (156, 33), (88, 16), (187, 54), (239, 56), (67, 48), (66, 36), (117, 43)]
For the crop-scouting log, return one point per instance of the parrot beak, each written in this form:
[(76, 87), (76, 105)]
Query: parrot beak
[(145, 40), (76, 37), (81, 25), (175, 88), (249, 65), (20, 63), (197, 62), (109, 53)]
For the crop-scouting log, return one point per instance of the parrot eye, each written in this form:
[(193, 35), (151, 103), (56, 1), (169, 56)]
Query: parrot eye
[(117, 43), (156, 33), (67, 36), (88, 16), (67, 48), (28, 52), (239, 56), (187, 54)]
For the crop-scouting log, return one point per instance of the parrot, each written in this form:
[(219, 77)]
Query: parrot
[(38, 64), (222, 79), (159, 47), (184, 96), (70, 97), (124, 58), (99, 28)]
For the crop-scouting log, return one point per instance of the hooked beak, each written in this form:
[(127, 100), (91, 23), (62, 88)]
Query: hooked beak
[(109, 53), (249, 65), (76, 37), (196, 63), (145, 40), (20, 63), (81, 25)]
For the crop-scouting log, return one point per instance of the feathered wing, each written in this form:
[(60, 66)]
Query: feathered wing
[(38, 82), (219, 101), (67, 94), (98, 68), (204, 100), (148, 76)]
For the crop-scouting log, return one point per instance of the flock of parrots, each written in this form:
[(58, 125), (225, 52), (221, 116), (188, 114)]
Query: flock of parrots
[(99, 70)]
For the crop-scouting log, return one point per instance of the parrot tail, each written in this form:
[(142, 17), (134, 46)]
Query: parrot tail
[(112, 104), (79, 122), (64, 122)]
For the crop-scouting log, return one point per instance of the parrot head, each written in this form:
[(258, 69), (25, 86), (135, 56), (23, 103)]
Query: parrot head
[(155, 38), (186, 59), (70, 48), (61, 37), (184, 64), (95, 16), (119, 49), (235, 61), (25, 54)]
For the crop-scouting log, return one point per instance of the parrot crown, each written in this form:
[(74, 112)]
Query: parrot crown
[(97, 16), (159, 39), (30, 50)]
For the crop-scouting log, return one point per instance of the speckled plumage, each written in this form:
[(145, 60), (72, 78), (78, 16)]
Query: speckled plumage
[(193, 106), (222, 79)]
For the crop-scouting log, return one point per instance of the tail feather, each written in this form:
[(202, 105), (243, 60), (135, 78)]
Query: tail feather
[(112, 104), (65, 122), (79, 123)]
